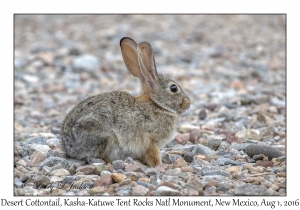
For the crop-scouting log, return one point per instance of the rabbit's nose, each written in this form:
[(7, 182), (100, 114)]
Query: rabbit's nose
[(185, 103)]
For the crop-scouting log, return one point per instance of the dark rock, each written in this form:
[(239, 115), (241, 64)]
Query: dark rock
[(189, 156), (214, 144), (268, 151), (52, 161), (202, 114)]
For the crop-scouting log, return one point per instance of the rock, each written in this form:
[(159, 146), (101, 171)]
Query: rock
[(182, 138), (52, 161), (162, 167), (124, 191), (150, 171), (214, 144), (117, 177), (139, 190), (87, 169), (227, 161), (193, 181), (186, 169), (48, 135), (211, 184), (265, 133), (96, 190), (21, 163), (173, 172), (129, 160), (56, 179), (238, 146), (180, 162), (35, 147), (234, 169), (249, 189), (132, 167), (60, 172), (200, 149), (100, 167), (189, 156), (118, 164), (37, 140), (42, 181), (223, 146), (202, 114), (186, 128), (55, 153), (88, 63), (195, 135), (37, 158), (104, 180), (268, 151), (166, 191), (209, 171), (166, 158), (277, 102)]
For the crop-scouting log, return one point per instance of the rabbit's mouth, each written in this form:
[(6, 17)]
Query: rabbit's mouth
[(185, 103)]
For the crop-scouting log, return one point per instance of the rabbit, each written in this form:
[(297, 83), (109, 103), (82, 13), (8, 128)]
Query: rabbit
[(116, 125)]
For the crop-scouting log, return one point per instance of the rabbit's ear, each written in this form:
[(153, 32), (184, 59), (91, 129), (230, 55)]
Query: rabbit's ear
[(130, 55), (147, 66)]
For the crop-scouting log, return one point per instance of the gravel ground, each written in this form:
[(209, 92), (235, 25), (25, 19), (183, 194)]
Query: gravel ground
[(232, 141)]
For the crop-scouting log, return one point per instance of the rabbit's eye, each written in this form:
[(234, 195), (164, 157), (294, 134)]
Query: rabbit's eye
[(174, 88)]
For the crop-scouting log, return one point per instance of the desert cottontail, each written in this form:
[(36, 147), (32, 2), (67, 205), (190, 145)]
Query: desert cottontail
[(116, 125)]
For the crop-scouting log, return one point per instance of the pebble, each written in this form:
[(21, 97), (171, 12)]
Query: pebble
[(166, 191), (209, 171), (140, 190), (214, 144), (180, 162), (195, 135), (37, 158), (118, 164), (99, 168), (189, 156), (268, 151), (202, 150), (117, 177), (52, 161), (60, 172), (96, 190)]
